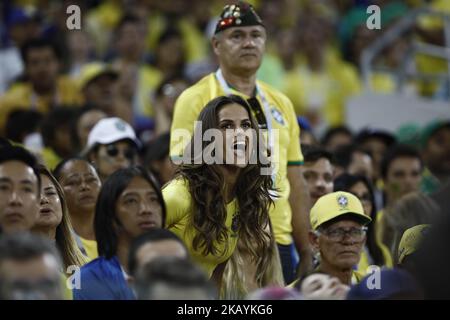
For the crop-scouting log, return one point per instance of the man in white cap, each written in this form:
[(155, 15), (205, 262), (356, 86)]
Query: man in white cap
[(112, 145)]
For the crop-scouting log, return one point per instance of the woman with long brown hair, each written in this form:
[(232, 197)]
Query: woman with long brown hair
[(222, 193), (54, 220)]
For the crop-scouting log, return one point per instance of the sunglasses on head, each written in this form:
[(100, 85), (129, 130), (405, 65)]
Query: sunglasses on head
[(113, 151)]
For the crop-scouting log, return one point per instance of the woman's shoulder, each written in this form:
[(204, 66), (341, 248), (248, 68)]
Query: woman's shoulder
[(178, 185)]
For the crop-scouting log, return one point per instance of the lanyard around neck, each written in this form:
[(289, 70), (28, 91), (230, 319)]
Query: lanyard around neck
[(259, 92)]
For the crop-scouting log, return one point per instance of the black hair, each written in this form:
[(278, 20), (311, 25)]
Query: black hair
[(74, 130), (22, 122), (333, 131), (127, 18), (343, 155), (344, 183), (58, 117), (168, 80), (154, 235), (15, 153), (39, 44), (157, 150), (24, 246), (174, 272), (314, 153), (395, 152), (105, 209)]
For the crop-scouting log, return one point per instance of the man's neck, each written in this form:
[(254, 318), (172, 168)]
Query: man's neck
[(344, 275), (83, 225), (244, 83)]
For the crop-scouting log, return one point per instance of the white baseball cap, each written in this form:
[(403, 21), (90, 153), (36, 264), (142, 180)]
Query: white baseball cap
[(110, 130)]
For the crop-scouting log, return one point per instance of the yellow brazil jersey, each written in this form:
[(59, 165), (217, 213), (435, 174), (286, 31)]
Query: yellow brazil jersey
[(179, 220), (90, 247), (21, 96), (286, 140), (326, 91)]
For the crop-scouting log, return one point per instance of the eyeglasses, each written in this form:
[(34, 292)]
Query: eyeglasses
[(338, 234), (113, 151)]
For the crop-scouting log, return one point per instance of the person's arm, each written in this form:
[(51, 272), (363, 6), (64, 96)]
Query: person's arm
[(300, 205)]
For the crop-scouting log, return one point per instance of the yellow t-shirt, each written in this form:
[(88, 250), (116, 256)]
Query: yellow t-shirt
[(22, 97), (286, 150), (179, 220), (90, 246), (364, 262), (325, 92)]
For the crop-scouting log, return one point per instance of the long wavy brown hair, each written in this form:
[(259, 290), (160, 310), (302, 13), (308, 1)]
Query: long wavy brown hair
[(64, 237), (252, 192)]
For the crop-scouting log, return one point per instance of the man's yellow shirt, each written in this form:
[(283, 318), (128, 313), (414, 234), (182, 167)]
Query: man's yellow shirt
[(22, 97), (286, 145)]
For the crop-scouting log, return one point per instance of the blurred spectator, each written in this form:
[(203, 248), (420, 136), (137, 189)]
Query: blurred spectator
[(395, 284), (153, 245), (19, 190), (80, 48), (321, 84), (44, 88), (436, 155), (22, 25), (30, 268), (56, 130), (338, 235), (306, 134), (410, 211), (130, 203), (21, 124), (112, 145), (401, 170), (167, 93), (157, 159), (374, 253), (336, 137), (173, 278), (376, 142), (353, 160), (98, 84), (317, 171), (137, 81), (81, 186), (85, 120)]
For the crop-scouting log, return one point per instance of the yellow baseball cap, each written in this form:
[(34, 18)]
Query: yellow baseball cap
[(91, 71), (410, 241), (335, 204)]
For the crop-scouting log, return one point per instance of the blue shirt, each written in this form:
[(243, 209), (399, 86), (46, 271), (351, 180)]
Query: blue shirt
[(103, 279)]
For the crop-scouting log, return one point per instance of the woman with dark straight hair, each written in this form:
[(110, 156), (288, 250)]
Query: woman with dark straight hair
[(129, 204), (219, 205), (374, 253)]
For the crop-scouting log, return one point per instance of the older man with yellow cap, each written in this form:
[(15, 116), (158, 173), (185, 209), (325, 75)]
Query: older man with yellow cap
[(338, 234)]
